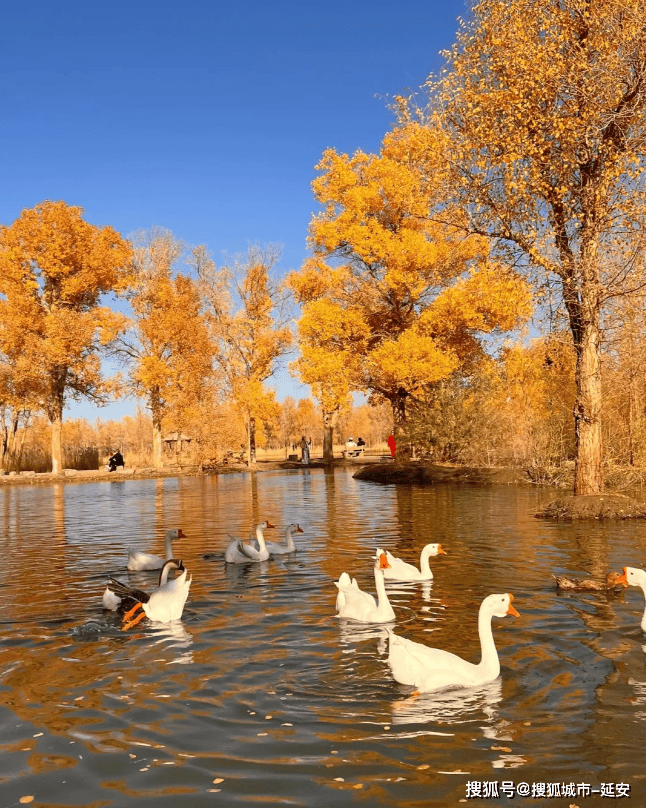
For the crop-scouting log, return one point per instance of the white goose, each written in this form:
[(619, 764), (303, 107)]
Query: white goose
[(164, 604), (145, 561), (432, 668), (401, 571), (635, 577), (288, 546), (240, 553), (356, 604)]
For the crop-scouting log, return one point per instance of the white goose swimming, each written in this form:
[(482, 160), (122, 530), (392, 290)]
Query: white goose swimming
[(432, 668), (164, 604), (633, 576), (356, 604), (145, 561), (401, 571), (240, 553), (288, 546)]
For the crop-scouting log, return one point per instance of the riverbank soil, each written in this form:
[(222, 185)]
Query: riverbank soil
[(429, 473)]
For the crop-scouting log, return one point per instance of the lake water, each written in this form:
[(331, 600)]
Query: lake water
[(259, 695)]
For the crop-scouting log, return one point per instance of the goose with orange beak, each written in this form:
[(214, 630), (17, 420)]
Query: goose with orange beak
[(431, 669), (402, 571), (138, 560), (355, 604), (288, 546), (239, 552), (633, 576)]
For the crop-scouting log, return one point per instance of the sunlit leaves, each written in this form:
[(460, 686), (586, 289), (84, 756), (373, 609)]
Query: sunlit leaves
[(393, 293), (54, 267)]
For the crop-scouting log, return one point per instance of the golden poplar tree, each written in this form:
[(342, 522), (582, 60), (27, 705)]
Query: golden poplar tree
[(393, 301), (246, 312), (54, 267), (167, 349), (540, 118)]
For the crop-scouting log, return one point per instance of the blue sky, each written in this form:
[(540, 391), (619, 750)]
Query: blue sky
[(203, 117)]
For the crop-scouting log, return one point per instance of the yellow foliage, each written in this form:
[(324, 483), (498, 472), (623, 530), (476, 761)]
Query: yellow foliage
[(393, 295), (54, 267)]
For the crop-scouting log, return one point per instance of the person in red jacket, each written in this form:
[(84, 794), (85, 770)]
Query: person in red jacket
[(391, 445)]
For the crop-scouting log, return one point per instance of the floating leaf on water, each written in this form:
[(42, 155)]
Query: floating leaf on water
[(423, 766), (37, 735), (501, 748), (213, 790), (386, 726), (286, 725), (267, 717), (339, 780), (261, 734), (358, 785), (26, 799), (219, 780), (132, 756)]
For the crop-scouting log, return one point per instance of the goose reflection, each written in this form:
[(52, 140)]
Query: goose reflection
[(455, 706), (352, 633), (174, 636)]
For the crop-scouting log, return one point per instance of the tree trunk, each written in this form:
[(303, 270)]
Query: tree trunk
[(56, 419), (157, 412), (588, 468), (330, 417), (4, 443), (398, 403), (252, 440)]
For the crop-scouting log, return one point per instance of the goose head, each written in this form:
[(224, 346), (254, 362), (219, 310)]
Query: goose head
[(294, 528), (176, 533), (500, 605), (381, 560), (264, 525), (632, 576)]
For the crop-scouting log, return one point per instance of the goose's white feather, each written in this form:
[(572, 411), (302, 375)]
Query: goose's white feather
[(239, 552), (355, 604), (433, 668), (402, 571), (138, 560)]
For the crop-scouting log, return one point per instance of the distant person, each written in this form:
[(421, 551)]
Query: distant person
[(350, 444), (115, 460), (391, 445), (305, 450), (361, 442)]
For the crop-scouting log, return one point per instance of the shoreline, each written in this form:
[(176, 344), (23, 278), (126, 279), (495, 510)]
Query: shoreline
[(150, 473)]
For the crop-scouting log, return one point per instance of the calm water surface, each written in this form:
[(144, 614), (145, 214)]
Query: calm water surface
[(259, 695)]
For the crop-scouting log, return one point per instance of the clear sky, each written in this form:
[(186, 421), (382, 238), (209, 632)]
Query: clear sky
[(203, 117)]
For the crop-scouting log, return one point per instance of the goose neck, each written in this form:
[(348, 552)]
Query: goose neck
[(424, 566), (488, 647), (380, 586), (260, 538), (163, 575), (168, 546)]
